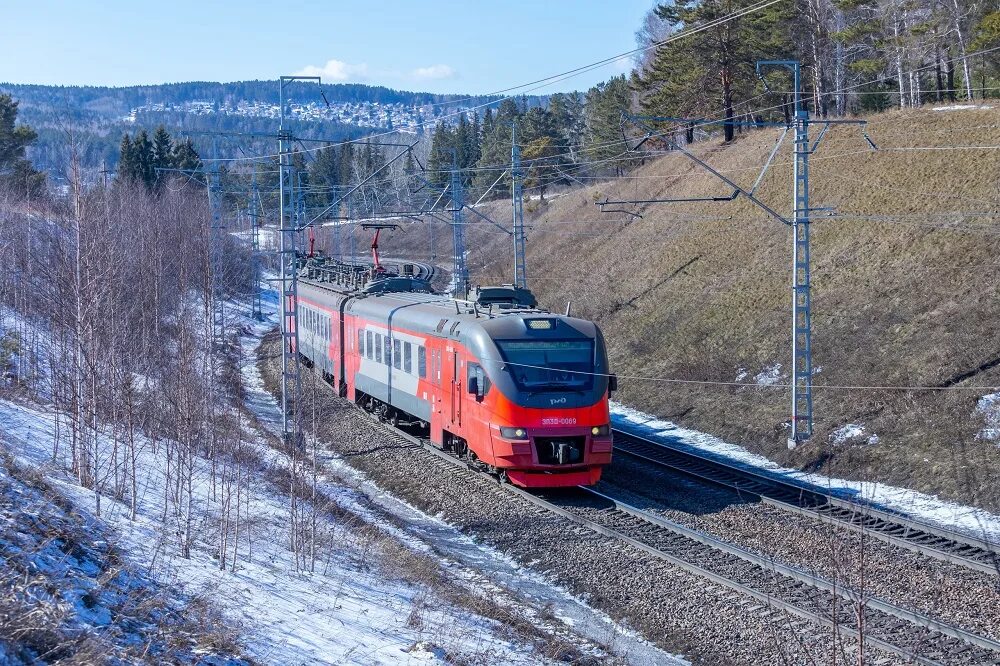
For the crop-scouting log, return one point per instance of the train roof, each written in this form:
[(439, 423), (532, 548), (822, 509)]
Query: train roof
[(502, 316)]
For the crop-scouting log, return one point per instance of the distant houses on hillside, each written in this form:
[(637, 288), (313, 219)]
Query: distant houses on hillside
[(397, 116)]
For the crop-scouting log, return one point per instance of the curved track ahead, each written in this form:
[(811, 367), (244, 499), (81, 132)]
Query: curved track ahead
[(930, 540), (422, 269), (792, 595)]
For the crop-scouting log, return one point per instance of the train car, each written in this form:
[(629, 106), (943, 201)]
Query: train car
[(520, 391)]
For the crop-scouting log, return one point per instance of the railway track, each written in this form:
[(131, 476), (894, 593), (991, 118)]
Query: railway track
[(792, 596), (929, 540), (422, 270)]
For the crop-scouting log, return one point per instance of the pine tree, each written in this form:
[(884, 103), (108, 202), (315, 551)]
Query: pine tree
[(495, 146), (567, 113), (473, 148), (325, 175), (439, 163), (712, 72), (602, 136), (163, 147), (186, 157), (128, 165), (143, 149), (542, 156), (16, 172)]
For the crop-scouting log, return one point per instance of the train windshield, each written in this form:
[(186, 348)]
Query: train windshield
[(549, 365)]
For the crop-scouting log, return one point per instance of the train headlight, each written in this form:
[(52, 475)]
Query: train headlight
[(513, 433), (601, 431)]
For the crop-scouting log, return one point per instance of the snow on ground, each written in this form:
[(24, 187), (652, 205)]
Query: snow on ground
[(479, 567), (961, 107), (988, 407), (348, 611), (345, 613), (769, 376), (852, 432), (914, 504), (65, 595)]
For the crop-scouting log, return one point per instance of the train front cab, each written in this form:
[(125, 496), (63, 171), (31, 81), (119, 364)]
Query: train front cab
[(539, 398)]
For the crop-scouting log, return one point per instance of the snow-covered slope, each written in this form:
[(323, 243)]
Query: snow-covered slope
[(920, 506), (353, 606)]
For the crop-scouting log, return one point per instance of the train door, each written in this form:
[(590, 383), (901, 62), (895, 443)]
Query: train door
[(456, 390)]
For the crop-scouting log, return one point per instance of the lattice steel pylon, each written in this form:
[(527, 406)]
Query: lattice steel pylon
[(517, 202), (216, 240), (802, 401), (802, 373), (460, 274), (291, 380), (254, 217), (354, 241), (336, 250), (288, 260)]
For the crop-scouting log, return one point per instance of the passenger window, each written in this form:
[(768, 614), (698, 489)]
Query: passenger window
[(370, 347), (421, 361), (396, 354), (378, 347), (361, 343), (388, 350), (407, 358)]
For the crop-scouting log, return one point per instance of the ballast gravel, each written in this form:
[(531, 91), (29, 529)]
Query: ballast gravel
[(678, 611), (941, 590)]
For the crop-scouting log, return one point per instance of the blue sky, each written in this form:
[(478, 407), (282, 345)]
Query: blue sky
[(438, 46)]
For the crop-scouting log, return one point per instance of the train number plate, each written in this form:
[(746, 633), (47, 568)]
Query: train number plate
[(565, 420)]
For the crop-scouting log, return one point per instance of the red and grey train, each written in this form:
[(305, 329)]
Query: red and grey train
[(520, 390)]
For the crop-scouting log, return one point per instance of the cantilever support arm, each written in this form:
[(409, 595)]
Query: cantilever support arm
[(609, 202), (770, 158), (707, 167), (623, 211), (494, 223)]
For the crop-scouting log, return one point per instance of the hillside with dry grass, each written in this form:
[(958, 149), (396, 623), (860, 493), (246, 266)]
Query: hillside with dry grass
[(904, 294)]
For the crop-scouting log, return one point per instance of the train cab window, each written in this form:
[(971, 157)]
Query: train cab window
[(361, 343), (407, 358), (397, 356), (421, 361), (378, 347)]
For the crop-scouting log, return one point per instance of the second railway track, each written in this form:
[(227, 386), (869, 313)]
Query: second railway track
[(930, 540), (793, 595)]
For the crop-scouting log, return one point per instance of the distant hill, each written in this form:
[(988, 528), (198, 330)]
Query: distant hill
[(98, 116)]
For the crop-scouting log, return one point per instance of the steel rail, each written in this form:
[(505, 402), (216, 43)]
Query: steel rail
[(921, 537), (767, 599), (801, 576)]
